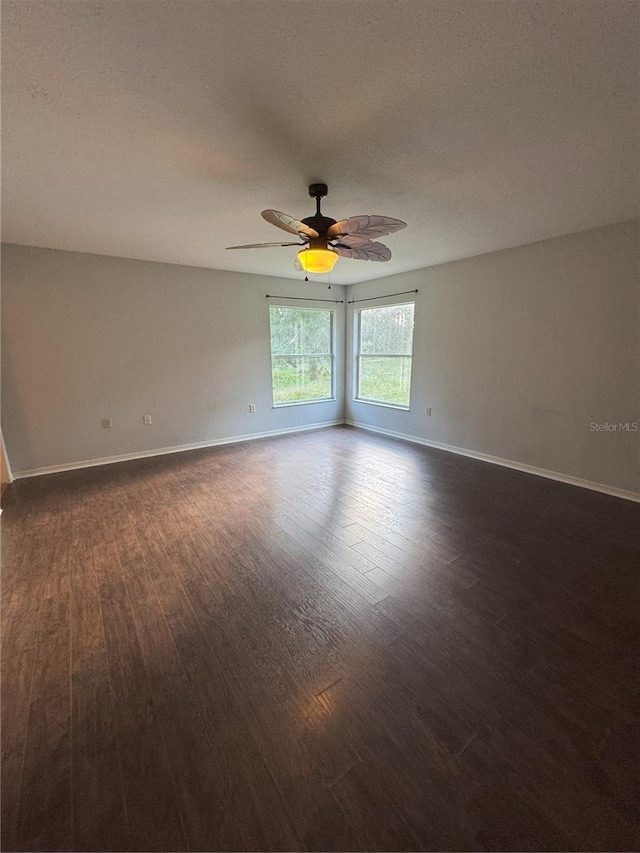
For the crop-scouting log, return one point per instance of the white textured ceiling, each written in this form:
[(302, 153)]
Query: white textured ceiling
[(159, 129)]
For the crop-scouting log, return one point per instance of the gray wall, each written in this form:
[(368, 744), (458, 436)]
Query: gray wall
[(86, 337), (518, 351)]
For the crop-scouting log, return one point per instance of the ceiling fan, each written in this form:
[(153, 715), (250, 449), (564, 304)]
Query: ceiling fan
[(324, 240)]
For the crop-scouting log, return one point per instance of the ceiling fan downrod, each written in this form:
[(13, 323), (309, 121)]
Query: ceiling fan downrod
[(318, 191)]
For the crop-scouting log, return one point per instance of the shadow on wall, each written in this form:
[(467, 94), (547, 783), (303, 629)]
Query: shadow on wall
[(14, 423)]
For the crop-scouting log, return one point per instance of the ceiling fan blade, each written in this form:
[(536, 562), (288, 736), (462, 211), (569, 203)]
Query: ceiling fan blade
[(264, 245), (365, 226), (352, 240), (364, 251), (288, 223)]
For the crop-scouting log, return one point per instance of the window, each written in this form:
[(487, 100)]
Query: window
[(385, 342), (301, 354)]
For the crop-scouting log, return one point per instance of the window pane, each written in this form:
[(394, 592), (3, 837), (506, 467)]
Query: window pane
[(300, 331), (387, 330), (387, 380), (301, 354), (298, 378)]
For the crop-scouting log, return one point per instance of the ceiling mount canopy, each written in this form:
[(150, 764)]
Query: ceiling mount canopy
[(324, 239)]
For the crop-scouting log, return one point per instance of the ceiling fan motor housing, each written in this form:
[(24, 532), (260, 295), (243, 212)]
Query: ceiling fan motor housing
[(321, 224), (318, 222)]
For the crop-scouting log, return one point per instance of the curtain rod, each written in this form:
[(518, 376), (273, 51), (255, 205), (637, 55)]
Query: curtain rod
[(386, 296), (304, 299)]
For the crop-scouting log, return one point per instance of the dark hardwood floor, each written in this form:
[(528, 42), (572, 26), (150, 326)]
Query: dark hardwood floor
[(325, 641)]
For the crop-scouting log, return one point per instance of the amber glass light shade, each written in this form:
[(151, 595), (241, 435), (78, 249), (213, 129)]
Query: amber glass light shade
[(317, 260)]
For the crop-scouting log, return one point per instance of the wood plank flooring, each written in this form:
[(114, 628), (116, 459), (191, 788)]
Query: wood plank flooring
[(324, 641)]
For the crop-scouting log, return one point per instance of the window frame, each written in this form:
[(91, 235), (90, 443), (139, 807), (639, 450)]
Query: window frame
[(331, 355), (358, 355)]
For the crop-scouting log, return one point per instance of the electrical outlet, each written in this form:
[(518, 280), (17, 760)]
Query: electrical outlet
[(428, 410), (106, 423), (252, 408), (146, 420)]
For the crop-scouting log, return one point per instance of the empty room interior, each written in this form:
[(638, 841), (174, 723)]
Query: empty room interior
[(320, 420)]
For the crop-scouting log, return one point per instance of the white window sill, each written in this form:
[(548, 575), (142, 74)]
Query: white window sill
[(397, 406), (304, 402)]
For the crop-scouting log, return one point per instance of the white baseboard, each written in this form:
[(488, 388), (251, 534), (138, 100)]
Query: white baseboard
[(505, 463), (414, 439), (163, 451)]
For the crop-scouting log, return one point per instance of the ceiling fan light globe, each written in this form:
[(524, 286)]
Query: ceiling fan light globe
[(317, 260)]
